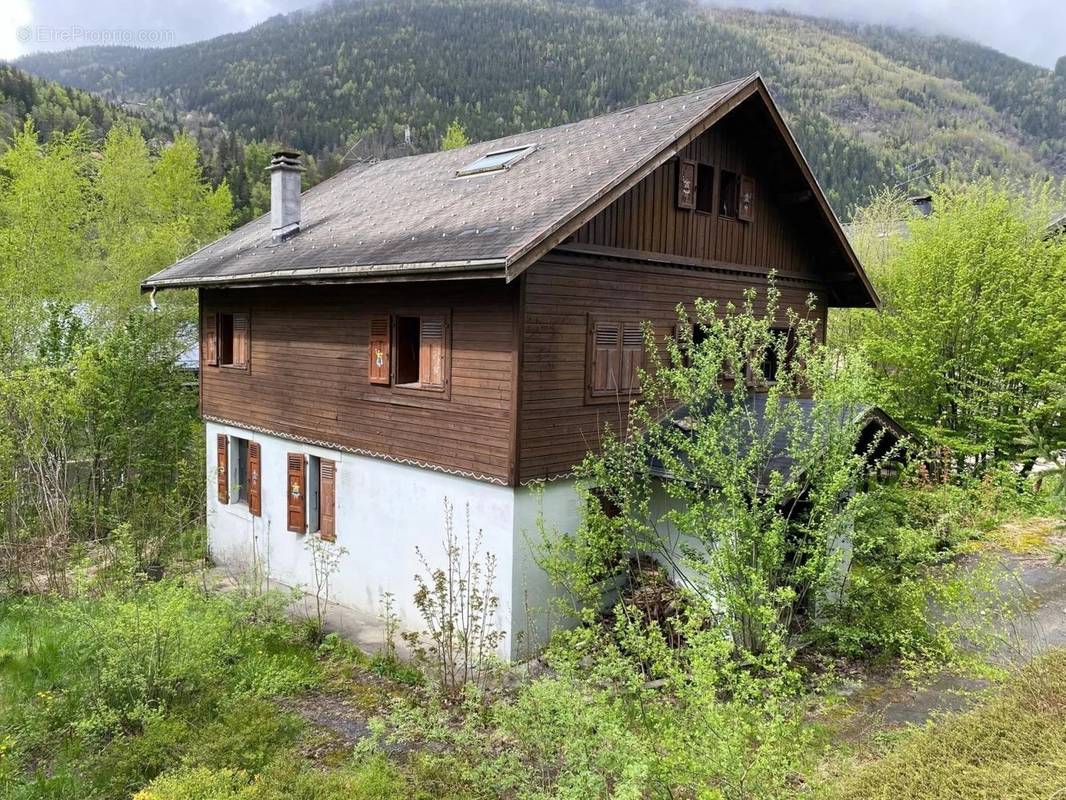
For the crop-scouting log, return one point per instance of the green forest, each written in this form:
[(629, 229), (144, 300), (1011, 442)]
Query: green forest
[(345, 81)]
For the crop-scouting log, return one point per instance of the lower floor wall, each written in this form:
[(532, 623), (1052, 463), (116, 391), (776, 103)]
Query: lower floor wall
[(385, 514)]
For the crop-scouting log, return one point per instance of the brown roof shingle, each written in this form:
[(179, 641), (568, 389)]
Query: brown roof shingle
[(413, 215)]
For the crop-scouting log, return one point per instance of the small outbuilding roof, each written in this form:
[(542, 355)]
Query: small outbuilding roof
[(878, 434), (419, 217)]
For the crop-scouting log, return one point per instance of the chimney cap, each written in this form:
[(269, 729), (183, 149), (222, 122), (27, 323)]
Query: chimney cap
[(285, 159)]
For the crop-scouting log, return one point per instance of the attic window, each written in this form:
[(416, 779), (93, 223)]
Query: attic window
[(496, 160)]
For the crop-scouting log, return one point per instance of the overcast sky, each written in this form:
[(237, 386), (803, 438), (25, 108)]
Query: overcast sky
[(1034, 30)]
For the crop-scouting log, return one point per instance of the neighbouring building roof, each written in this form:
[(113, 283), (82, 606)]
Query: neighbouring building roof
[(878, 433), (414, 216)]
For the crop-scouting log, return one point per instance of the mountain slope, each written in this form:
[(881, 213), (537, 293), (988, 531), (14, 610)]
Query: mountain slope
[(864, 102), (54, 108)]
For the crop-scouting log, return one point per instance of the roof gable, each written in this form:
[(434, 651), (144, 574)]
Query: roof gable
[(414, 217)]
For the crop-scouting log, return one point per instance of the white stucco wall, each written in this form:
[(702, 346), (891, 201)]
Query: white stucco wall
[(541, 510), (384, 510)]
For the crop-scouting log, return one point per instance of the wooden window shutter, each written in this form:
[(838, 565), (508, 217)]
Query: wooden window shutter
[(223, 468), (379, 351), (210, 339), (255, 504), (746, 204), (632, 357), (686, 184), (431, 355), (606, 357), (327, 500), (296, 493), (241, 343)]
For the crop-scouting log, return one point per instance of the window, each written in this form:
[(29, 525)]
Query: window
[(240, 473), (410, 351), (226, 340), (312, 495), (496, 160), (314, 466), (705, 188), (699, 336), (615, 356), (607, 505), (771, 358), (727, 196)]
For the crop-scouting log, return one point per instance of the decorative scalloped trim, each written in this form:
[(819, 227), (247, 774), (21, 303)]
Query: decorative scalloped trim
[(357, 451), (548, 478)]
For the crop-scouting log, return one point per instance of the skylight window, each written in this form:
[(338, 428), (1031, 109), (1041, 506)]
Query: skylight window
[(496, 160)]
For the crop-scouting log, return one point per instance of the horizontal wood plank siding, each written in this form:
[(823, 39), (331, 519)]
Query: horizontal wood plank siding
[(309, 373), (557, 427)]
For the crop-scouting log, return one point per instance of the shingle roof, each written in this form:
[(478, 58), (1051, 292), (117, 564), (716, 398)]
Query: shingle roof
[(412, 215), (879, 435)]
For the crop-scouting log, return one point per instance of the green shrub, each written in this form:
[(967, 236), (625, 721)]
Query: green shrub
[(117, 689), (373, 779), (903, 595), (246, 736)]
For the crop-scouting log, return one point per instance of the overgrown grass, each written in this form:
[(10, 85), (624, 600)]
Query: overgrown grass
[(100, 695), (1011, 746)]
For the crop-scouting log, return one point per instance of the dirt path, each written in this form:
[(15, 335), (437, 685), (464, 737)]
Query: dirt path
[(878, 702)]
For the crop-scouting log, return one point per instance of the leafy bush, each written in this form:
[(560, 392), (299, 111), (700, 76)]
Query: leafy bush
[(970, 349), (746, 493), (374, 779), (117, 689)]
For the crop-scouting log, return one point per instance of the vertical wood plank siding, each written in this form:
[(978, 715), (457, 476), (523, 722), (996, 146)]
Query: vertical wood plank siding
[(557, 426), (647, 218), (309, 372)]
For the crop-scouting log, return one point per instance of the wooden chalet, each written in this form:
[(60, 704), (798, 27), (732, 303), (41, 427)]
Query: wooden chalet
[(462, 324)]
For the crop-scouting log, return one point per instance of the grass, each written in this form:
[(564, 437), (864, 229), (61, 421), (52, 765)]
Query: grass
[(1013, 745)]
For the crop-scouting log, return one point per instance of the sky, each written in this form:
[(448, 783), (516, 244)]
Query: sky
[(1033, 30)]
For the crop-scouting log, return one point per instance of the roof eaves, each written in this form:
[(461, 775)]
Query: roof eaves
[(351, 272)]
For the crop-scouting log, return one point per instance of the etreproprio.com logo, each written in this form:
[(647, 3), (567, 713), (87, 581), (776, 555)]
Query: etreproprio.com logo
[(78, 35)]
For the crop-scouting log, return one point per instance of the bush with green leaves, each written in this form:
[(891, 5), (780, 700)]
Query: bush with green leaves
[(970, 347), (112, 690), (761, 477), (706, 726)]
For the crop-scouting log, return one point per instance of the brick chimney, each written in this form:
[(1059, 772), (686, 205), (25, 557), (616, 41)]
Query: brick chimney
[(284, 169)]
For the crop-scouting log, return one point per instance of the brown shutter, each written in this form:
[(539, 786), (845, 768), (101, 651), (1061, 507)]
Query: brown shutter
[(686, 184), (210, 339), (296, 493), (378, 352), (327, 500), (241, 341), (606, 355), (632, 356), (254, 480), (431, 356), (746, 205), (223, 468)]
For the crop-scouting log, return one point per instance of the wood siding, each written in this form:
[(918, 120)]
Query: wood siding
[(647, 217), (558, 425), (309, 374)]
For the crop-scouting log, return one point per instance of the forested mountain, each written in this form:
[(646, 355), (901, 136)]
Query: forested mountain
[(347, 79), (52, 107)]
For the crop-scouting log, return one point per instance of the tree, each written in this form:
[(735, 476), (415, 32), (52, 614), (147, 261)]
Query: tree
[(760, 484), (455, 137), (971, 344)]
